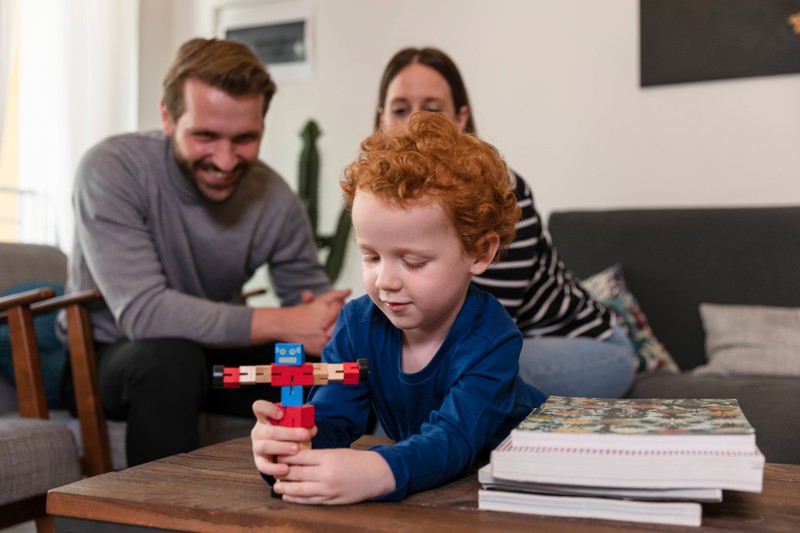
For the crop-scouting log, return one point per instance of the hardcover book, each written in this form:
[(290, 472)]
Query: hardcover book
[(634, 424)]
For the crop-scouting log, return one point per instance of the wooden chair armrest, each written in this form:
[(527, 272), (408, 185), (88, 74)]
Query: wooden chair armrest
[(24, 298), (44, 300), (79, 298)]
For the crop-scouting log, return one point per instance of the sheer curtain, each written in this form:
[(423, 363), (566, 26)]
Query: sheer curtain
[(10, 195), (78, 79), (9, 26)]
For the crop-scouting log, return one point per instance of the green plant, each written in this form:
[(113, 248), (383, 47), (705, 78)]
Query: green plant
[(308, 192)]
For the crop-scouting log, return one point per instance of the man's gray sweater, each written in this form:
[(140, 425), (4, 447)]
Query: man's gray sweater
[(169, 262)]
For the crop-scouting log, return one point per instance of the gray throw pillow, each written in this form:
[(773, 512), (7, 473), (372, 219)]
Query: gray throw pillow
[(750, 340)]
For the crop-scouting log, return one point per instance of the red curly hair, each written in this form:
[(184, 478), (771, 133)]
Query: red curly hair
[(431, 157)]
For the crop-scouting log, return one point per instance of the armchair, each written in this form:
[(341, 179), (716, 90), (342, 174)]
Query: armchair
[(25, 263), (36, 454), (38, 451)]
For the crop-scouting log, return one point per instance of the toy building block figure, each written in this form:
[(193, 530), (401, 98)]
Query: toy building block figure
[(291, 373)]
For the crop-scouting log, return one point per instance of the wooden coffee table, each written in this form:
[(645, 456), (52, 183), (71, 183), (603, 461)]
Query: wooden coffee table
[(217, 489)]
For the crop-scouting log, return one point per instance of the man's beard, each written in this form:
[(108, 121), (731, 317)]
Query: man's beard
[(190, 170)]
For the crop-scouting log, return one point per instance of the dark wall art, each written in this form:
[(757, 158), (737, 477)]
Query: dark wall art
[(699, 40)]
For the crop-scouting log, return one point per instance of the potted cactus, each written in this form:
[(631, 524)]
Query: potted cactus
[(308, 192)]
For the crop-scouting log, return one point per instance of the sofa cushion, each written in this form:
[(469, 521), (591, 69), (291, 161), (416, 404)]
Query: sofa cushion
[(751, 340), (610, 289), (35, 456), (767, 402)]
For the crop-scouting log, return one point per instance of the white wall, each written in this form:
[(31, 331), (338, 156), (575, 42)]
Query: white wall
[(554, 84)]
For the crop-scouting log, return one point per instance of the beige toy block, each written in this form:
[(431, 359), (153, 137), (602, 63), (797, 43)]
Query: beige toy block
[(320, 373), (335, 371), (263, 373)]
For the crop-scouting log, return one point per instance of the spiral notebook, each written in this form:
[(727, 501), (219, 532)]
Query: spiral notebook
[(674, 513), (704, 495), (629, 468)]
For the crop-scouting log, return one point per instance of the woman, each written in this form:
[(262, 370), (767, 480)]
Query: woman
[(571, 346)]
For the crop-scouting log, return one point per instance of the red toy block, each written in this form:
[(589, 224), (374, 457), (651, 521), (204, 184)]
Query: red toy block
[(306, 375), (230, 380), (281, 376), (288, 376), (351, 373), (295, 417)]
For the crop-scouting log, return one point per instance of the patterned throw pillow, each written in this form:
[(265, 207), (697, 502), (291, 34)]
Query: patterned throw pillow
[(610, 289)]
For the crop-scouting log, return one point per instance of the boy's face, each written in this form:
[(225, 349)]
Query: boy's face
[(413, 267)]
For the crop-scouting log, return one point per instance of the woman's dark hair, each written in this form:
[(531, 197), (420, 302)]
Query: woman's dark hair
[(438, 61)]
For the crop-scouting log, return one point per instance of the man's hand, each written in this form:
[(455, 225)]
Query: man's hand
[(336, 476), (310, 323)]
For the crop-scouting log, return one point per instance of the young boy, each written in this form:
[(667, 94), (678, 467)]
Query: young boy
[(431, 208)]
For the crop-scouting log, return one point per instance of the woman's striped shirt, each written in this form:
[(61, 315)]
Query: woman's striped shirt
[(531, 281)]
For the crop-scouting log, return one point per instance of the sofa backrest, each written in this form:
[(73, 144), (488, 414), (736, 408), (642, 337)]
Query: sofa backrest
[(25, 263), (674, 259)]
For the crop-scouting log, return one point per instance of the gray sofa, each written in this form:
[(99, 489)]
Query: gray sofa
[(675, 259)]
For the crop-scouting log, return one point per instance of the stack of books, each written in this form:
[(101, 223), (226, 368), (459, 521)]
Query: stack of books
[(623, 459)]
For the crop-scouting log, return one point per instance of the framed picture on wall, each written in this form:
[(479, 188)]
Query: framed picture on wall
[(702, 40), (279, 33)]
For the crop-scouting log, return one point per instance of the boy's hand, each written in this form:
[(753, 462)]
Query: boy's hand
[(271, 444), (335, 476)]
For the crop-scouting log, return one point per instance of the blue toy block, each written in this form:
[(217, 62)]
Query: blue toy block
[(289, 354), (292, 396)]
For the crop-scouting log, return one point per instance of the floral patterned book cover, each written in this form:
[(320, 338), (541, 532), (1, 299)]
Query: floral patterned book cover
[(634, 423)]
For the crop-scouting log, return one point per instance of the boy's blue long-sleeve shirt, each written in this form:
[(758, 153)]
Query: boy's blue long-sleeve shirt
[(465, 401)]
